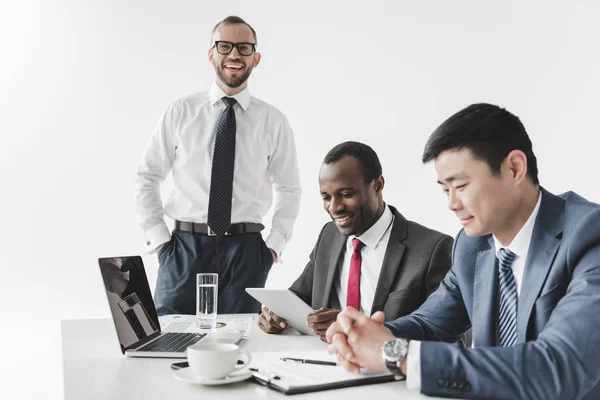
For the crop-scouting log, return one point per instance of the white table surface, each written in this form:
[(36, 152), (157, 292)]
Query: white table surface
[(94, 368)]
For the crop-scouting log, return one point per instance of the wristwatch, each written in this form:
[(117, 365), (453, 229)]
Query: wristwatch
[(393, 351)]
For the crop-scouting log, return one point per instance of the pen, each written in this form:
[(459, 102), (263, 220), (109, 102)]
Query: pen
[(305, 361)]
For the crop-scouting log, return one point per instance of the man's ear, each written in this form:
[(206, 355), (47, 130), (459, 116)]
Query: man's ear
[(256, 59), (516, 161), (379, 184)]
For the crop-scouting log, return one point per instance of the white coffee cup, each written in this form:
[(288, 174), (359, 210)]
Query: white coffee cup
[(210, 361)]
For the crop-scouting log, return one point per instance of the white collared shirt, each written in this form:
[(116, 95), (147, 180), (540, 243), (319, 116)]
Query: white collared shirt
[(375, 241), (183, 143), (520, 246)]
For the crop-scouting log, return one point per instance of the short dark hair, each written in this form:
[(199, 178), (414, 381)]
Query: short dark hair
[(230, 20), (365, 155), (488, 131)]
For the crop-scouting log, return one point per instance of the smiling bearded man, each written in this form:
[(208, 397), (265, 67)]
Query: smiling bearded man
[(227, 151)]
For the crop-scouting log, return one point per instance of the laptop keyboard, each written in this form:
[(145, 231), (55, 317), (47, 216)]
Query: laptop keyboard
[(172, 342)]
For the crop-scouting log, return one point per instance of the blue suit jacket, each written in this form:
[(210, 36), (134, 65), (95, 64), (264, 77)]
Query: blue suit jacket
[(557, 355)]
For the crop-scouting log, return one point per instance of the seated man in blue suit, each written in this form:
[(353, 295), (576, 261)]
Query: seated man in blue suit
[(525, 277)]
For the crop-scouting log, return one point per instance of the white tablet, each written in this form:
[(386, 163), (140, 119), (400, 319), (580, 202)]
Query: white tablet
[(291, 308)]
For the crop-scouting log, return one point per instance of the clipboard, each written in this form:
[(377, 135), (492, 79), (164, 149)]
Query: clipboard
[(264, 380), (291, 378)]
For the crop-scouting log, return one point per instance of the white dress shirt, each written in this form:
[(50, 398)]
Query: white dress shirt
[(520, 246), (375, 241), (183, 143)]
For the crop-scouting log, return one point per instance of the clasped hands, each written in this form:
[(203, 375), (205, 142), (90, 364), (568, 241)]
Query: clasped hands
[(355, 338)]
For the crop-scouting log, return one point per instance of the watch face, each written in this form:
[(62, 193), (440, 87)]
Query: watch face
[(395, 349)]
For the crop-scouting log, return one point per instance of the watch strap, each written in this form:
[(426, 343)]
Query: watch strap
[(394, 367)]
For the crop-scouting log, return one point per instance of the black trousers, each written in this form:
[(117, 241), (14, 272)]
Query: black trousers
[(240, 260)]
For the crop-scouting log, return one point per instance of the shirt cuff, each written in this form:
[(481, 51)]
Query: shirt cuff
[(156, 236), (413, 365), (277, 242)]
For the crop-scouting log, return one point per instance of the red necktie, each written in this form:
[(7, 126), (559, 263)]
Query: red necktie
[(353, 293)]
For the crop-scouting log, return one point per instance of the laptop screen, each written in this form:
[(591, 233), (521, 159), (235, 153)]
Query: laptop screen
[(129, 299)]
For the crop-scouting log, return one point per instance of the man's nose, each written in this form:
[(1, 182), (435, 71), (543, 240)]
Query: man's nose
[(454, 202), (234, 53), (336, 205)]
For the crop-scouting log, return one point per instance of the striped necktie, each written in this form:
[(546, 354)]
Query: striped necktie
[(507, 316)]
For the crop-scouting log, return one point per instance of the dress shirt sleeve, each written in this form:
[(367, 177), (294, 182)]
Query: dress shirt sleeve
[(413, 365), (285, 175), (152, 171)]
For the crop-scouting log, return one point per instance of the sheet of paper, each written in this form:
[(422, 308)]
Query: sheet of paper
[(297, 375), (230, 323)]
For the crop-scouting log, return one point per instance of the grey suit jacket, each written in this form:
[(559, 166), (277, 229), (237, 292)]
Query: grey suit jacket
[(557, 355), (416, 260)]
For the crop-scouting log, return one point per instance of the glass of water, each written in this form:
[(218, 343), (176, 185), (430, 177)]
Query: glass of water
[(207, 290)]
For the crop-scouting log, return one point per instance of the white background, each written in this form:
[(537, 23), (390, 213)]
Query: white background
[(83, 83)]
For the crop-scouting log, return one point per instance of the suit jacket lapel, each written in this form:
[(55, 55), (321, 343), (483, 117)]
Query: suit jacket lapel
[(485, 287), (545, 241), (391, 261), (336, 252)]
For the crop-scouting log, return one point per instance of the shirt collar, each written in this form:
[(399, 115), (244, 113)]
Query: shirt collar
[(215, 94), (373, 235), (520, 244)]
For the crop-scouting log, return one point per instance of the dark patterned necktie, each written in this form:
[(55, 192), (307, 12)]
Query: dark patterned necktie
[(507, 316), (221, 178)]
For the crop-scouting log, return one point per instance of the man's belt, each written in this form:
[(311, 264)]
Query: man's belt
[(234, 229)]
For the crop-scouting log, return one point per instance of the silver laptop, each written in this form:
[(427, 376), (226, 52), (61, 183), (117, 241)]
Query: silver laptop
[(134, 313)]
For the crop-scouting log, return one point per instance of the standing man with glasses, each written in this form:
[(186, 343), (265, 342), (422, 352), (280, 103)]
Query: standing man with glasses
[(227, 151)]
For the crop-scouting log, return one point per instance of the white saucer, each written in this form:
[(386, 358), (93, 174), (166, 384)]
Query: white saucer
[(186, 375)]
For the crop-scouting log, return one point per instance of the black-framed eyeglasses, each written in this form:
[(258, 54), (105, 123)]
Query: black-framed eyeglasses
[(244, 48)]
